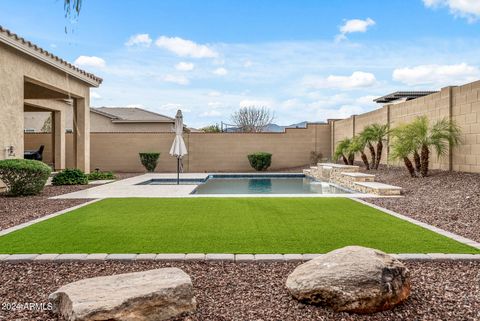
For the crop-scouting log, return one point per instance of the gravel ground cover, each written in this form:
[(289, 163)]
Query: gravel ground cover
[(252, 291), (17, 210), (448, 200)]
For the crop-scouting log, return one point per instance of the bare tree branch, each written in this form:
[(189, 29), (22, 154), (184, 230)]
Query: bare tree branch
[(252, 119)]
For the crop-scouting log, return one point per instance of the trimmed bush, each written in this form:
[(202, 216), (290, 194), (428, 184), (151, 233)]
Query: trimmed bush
[(70, 176), (24, 176), (149, 160), (260, 161), (99, 175)]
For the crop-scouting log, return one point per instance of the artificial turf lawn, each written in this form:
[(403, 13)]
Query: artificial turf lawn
[(225, 225)]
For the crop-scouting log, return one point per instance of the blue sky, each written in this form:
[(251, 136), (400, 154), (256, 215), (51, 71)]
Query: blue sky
[(305, 60)]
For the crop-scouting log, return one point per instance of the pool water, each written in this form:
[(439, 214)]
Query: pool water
[(266, 185)]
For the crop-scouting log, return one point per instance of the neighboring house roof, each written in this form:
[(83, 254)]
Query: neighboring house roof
[(13, 40), (132, 115), (404, 95)]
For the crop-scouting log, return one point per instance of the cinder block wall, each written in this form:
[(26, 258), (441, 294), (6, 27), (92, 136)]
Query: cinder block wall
[(221, 152), (461, 104)]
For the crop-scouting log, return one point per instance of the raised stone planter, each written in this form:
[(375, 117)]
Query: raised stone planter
[(351, 279), (141, 296)]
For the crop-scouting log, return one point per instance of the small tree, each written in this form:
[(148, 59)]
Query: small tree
[(357, 145), (252, 119), (211, 129), (149, 160), (439, 137), (402, 147), (47, 125), (368, 136), (343, 151), (376, 133)]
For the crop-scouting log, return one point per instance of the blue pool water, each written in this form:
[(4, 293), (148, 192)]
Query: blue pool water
[(267, 184)]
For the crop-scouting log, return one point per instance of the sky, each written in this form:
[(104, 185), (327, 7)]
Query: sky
[(302, 59)]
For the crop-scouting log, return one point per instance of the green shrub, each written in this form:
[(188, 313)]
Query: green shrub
[(149, 160), (99, 175), (23, 176), (70, 176), (260, 161)]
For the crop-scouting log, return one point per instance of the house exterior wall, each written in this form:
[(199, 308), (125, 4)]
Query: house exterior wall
[(221, 152), (15, 67), (98, 123)]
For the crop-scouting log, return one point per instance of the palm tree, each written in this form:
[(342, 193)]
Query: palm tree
[(378, 133), (402, 147), (440, 136), (342, 151), (368, 136), (357, 145)]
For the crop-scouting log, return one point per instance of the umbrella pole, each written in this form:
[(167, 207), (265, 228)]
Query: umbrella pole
[(178, 170)]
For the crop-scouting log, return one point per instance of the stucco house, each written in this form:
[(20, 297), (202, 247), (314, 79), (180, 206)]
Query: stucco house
[(107, 119), (35, 80)]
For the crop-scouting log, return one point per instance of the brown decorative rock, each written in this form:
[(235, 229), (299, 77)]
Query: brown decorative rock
[(351, 279), (141, 296)]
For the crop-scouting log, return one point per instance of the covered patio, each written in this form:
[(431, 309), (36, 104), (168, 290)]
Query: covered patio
[(34, 80)]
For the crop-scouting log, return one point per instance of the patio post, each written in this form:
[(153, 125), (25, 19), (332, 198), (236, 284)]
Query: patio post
[(82, 133), (58, 120)]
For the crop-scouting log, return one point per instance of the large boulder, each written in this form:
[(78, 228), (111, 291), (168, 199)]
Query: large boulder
[(141, 296), (351, 279)]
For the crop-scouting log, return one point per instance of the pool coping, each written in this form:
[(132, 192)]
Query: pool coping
[(132, 188)]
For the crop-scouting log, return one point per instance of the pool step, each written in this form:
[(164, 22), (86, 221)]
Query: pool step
[(358, 177), (377, 188)]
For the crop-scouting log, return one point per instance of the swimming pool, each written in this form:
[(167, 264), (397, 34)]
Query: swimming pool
[(254, 184)]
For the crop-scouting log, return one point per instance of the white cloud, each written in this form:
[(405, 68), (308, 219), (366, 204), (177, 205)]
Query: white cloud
[(142, 39), (176, 79), (354, 25), (247, 63), (344, 111), (436, 74), (357, 79), (90, 61), (255, 103), (95, 95), (469, 9), (211, 113), (135, 106), (185, 48), (366, 100), (184, 66), (214, 93), (220, 71)]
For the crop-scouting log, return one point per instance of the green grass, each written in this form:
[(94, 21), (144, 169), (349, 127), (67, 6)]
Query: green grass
[(225, 225)]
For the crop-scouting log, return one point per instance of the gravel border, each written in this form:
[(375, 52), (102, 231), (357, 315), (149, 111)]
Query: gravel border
[(227, 291)]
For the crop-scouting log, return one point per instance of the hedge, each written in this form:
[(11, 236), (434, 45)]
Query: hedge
[(24, 176), (260, 161)]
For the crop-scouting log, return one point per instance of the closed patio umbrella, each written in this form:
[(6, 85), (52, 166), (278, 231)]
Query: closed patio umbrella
[(178, 149)]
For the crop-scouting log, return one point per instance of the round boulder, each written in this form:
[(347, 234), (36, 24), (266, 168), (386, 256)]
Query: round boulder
[(351, 279)]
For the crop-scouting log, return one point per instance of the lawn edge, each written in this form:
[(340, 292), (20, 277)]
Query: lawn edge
[(46, 217), (210, 257), (450, 235)]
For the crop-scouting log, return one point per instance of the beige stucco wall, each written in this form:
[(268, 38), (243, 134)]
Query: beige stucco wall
[(223, 152), (15, 67)]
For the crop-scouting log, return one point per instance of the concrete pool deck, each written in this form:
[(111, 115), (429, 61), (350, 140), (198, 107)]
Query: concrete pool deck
[(129, 188)]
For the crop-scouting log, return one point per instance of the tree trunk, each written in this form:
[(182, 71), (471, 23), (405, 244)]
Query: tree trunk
[(351, 159), (345, 160), (409, 166), (416, 158), (424, 160), (372, 153), (365, 160), (379, 153)]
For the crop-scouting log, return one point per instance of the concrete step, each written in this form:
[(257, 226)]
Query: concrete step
[(377, 188), (358, 177)]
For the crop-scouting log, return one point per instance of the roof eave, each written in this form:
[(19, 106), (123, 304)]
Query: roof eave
[(40, 56)]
